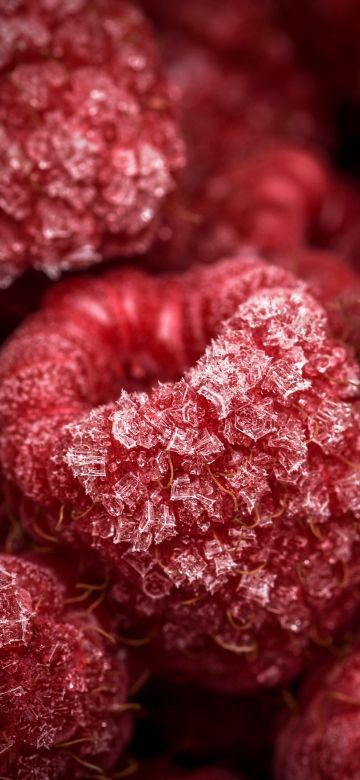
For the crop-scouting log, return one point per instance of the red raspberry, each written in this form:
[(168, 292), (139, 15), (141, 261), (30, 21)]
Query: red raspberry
[(226, 502), (230, 108), (89, 144), (332, 282), (278, 198), (230, 28), (62, 689), (322, 739)]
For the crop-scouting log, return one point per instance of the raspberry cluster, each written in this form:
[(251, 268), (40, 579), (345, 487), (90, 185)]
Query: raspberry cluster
[(63, 692), (179, 432), (89, 143), (225, 502), (322, 739)]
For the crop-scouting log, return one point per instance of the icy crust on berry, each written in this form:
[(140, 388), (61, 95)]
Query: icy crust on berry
[(322, 740), (235, 493), (226, 503), (94, 336), (58, 707), (89, 142)]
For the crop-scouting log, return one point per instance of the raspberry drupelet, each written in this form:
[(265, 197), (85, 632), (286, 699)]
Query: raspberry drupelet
[(321, 740), (89, 142), (63, 706), (225, 500)]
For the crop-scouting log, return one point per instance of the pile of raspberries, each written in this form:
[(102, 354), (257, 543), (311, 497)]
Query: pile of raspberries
[(179, 390)]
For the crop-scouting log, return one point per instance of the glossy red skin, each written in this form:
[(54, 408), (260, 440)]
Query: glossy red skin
[(64, 688), (321, 740), (89, 145), (93, 336)]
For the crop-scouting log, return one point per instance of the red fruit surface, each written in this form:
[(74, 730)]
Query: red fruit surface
[(230, 28), (285, 196), (334, 283), (322, 740), (231, 110), (89, 143), (62, 690), (226, 502), (279, 197)]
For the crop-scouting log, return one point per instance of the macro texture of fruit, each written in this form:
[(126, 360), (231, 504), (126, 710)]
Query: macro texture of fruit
[(89, 142), (321, 740), (63, 704), (226, 501)]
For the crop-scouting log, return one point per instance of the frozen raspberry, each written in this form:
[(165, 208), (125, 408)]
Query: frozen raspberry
[(334, 283), (62, 709), (278, 198), (229, 109), (231, 28), (322, 740), (89, 143), (227, 501)]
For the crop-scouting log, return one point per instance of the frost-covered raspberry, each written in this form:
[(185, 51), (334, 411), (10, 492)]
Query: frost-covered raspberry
[(232, 28), (322, 740), (333, 282), (230, 106), (62, 689), (89, 143), (279, 197), (226, 502)]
